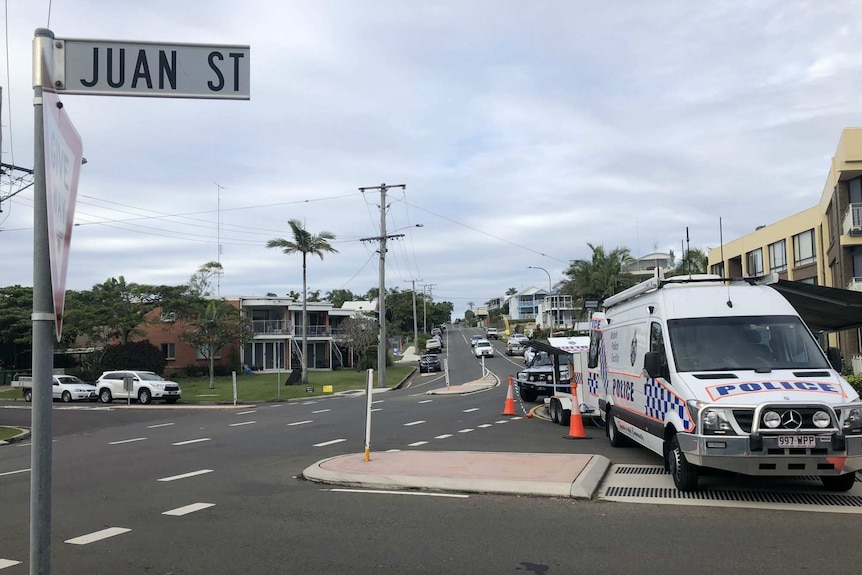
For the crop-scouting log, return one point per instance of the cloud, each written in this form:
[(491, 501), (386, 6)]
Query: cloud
[(522, 132)]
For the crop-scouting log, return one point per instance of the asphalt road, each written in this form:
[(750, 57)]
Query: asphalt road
[(123, 469)]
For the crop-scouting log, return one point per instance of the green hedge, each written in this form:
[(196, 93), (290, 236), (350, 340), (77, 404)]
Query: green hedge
[(855, 381)]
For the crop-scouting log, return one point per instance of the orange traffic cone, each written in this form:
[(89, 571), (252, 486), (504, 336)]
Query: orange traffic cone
[(576, 424), (510, 399)]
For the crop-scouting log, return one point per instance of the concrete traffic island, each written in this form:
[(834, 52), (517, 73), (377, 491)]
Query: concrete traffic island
[(539, 474)]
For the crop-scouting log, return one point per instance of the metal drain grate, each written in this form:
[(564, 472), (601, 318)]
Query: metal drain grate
[(832, 499), (641, 470)]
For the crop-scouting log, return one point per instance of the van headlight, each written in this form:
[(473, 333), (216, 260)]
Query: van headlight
[(771, 419), (715, 421), (821, 419)]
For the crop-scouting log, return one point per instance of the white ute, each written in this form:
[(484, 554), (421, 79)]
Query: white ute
[(723, 374), (66, 388)]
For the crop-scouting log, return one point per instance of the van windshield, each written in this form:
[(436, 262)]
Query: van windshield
[(743, 342)]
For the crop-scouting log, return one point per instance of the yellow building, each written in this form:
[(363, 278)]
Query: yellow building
[(821, 245)]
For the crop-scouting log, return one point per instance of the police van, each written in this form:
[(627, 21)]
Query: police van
[(724, 374)]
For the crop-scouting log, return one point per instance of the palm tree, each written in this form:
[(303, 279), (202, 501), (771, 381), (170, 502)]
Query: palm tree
[(602, 275), (305, 243)]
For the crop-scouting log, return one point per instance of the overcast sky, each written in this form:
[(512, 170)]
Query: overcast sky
[(522, 130)]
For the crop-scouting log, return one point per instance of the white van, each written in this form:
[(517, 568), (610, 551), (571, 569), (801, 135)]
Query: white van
[(723, 374)]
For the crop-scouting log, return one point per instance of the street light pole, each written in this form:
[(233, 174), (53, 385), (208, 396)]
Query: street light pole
[(550, 286)]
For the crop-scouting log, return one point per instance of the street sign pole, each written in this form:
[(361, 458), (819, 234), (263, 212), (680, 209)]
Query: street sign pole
[(43, 330)]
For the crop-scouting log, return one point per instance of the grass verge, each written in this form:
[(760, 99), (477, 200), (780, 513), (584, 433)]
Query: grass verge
[(271, 387), (8, 432)]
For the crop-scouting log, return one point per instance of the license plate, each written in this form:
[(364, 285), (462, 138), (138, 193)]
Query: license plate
[(791, 441)]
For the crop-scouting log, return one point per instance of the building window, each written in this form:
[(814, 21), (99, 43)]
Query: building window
[(755, 262), (778, 256), (854, 186), (718, 269), (169, 350), (803, 248)]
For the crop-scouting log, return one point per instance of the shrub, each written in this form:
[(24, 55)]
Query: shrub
[(140, 355), (193, 370), (855, 381)]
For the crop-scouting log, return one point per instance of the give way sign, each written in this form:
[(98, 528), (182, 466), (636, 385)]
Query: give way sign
[(63, 154)]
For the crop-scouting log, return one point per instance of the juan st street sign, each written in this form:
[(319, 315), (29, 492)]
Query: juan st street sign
[(120, 68)]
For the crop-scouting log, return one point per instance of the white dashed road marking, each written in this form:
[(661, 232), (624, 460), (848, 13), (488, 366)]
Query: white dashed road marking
[(464, 430), (413, 423), (98, 535), (444, 436), (180, 511), (321, 411), (377, 401), (325, 443), (501, 421), (246, 412), (14, 472), (241, 423), (192, 441), (417, 444), (471, 409), (159, 425), (484, 425), (377, 409), (186, 475), (299, 422), (427, 401), (4, 563), (127, 441)]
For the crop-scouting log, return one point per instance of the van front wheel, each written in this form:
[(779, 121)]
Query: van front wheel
[(685, 475), (838, 482)]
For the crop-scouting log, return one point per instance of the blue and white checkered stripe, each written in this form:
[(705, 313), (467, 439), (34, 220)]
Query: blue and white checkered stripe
[(660, 401)]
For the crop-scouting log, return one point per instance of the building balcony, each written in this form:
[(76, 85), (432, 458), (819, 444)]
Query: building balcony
[(853, 220)]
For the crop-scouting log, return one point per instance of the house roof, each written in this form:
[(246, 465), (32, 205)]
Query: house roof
[(359, 305)]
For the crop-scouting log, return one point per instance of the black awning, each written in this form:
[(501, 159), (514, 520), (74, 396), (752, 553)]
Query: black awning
[(823, 308)]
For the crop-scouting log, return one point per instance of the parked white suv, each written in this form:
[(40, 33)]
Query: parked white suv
[(146, 386)]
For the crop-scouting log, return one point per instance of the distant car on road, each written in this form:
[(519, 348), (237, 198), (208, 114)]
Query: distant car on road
[(146, 386), (433, 345), (514, 347), (483, 348), (429, 362), (474, 339), (491, 333)]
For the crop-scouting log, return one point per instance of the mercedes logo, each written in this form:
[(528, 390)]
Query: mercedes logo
[(791, 419)]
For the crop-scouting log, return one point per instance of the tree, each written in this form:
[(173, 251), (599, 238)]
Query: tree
[(337, 297), (199, 283), (511, 291), (305, 243), (16, 305), (216, 326), (600, 276), (692, 262), (360, 334)]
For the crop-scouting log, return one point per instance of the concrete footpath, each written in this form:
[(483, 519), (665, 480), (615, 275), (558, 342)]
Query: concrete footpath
[(537, 474)]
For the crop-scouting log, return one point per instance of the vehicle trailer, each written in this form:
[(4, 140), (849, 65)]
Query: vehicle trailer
[(720, 373)]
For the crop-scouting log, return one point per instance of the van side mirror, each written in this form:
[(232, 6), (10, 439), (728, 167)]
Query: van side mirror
[(833, 354), (653, 365)]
